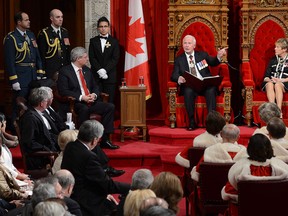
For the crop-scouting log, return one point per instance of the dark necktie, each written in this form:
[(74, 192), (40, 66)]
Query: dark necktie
[(58, 34), (192, 66), (26, 38)]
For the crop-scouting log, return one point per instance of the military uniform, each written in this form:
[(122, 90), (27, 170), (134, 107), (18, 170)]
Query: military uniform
[(54, 51), (22, 60)]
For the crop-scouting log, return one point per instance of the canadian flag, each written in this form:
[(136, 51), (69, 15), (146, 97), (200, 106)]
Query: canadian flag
[(136, 55)]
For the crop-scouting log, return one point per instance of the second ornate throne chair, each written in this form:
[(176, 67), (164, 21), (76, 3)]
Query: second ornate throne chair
[(263, 22), (207, 21)]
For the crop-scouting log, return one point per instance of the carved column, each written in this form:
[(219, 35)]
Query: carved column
[(94, 9)]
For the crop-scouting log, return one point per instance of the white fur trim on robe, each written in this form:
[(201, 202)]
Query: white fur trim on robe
[(218, 153), (182, 161), (263, 130), (241, 171), (205, 140), (279, 150)]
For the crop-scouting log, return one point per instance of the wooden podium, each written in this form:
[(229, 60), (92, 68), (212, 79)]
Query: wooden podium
[(133, 110)]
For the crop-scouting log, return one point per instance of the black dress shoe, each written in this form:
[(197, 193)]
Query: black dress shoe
[(108, 145), (113, 172), (191, 127)]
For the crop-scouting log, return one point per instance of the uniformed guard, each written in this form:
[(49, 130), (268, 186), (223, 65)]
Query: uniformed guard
[(22, 59), (54, 44)]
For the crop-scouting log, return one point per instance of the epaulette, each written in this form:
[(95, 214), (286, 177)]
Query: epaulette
[(42, 30), (64, 29), (7, 36)]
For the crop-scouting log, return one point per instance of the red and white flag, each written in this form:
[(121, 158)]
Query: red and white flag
[(136, 55)]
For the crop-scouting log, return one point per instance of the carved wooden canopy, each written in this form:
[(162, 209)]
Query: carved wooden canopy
[(183, 13), (254, 13)]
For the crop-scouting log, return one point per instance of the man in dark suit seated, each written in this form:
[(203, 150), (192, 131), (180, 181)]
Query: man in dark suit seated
[(92, 184), (76, 80), (37, 133), (196, 63)]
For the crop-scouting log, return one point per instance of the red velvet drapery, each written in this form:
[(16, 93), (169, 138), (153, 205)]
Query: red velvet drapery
[(156, 26)]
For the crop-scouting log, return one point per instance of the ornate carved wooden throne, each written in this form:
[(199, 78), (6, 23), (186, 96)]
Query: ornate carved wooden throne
[(263, 22), (207, 21)]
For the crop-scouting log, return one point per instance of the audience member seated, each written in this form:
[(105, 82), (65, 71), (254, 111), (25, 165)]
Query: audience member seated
[(196, 63), (8, 139), (277, 130), (267, 111), (153, 201), (141, 179), (275, 81), (167, 186), (92, 184), (51, 208), (64, 138), (6, 161), (214, 124), (134, 200), (9, 188), (157, 211), (67, 182), (226, 152), (82, 86), (37, 133), (259, 165)]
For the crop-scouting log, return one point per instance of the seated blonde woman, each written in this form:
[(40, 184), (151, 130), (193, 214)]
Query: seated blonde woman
[(275, 81), (134, 201), (64, 138)]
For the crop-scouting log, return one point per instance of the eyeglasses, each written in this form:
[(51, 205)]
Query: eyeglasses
[(103, 26)]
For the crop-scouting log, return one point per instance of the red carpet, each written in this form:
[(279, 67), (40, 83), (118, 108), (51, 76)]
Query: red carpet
[(158, 154)]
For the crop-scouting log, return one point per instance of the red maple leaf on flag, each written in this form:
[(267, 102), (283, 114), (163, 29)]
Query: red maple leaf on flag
[(135, 30)]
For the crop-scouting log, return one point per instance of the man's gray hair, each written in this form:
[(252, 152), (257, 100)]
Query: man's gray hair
[(42, 192), (230, 132), (48, 89), (142, 179), (268, 110), (76, 53), (49, 208), (37, 95), (65, 178), (89, 130)]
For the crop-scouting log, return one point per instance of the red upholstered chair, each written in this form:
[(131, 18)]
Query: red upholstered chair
[(207, 196), (205, 41), (260, 30), (262, 197)]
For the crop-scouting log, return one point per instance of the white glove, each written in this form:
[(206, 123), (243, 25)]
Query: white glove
[(102, 73), (16, 86)]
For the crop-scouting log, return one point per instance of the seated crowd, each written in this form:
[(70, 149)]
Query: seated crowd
[(264, 159)]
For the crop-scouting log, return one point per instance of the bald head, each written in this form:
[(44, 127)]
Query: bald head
[(56, 17), (65, 178)]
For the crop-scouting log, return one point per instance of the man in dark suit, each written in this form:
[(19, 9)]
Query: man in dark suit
[(104, 55), (92, 184), (67, 182), (37, 134), (76, 80), (54, 44), (195, 62)]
